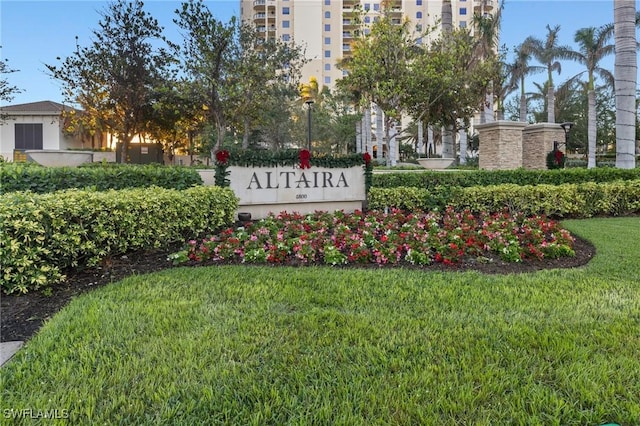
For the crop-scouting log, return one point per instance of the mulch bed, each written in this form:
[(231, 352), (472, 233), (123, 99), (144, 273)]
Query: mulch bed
[(23, 315)]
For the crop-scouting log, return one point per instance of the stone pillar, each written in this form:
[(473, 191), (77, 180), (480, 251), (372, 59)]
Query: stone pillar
[(500, 146), (537, 141)]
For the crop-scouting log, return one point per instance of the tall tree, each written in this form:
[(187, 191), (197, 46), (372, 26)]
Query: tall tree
[(593, 46), (256, 67), (206, 57), (548, 52), (520, 70), (626, 70), (487, 34), (120, 69), (379, 68)]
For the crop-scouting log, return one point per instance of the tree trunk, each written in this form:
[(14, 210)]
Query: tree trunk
[(591, 128), (245, 137), (523, 107), (626, 67), (391, 137), (551, 105), (447, 142), (366, 131), (463, 145), (420, 145), (379, 134), (359, 126)]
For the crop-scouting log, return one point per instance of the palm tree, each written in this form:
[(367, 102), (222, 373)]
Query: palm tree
[(548, 52), (487, 35), (520, 69), (448, 144), (593, 45), (626, 68)]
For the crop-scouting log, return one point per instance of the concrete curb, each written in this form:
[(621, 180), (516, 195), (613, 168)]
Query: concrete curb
[(7, 350)]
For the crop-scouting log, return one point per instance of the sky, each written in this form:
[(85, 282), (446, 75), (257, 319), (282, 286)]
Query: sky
[(35, 33)]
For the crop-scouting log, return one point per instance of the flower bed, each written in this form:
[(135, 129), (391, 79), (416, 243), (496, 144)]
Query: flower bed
[(383, 239)]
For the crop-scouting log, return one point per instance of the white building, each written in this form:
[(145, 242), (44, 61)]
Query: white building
[(36, 125)]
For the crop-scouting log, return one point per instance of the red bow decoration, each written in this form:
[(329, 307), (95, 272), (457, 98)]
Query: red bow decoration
[(559, 155), (367, 158), (305, 156), (222, 156)]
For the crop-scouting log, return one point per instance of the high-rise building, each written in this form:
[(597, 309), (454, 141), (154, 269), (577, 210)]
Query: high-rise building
[(326, 27)]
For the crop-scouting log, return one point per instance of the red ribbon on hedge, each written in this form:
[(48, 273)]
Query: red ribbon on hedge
[(222, 156), (305, 156), (367, 158), (559, 156)]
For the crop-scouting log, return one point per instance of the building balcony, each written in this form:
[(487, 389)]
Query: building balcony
[(483, 5)]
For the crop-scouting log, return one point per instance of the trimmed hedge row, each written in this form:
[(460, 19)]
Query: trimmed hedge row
[(41, 235), (568, 200), (38, 179), (432, 179)]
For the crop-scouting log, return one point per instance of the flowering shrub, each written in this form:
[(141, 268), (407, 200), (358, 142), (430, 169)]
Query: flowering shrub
[(379, 238)]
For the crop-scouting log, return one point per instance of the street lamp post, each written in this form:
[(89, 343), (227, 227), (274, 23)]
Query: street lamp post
[(309, 102), (566, 126)]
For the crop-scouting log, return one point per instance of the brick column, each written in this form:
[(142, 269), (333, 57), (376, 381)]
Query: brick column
[(537, 141), (500, 146)]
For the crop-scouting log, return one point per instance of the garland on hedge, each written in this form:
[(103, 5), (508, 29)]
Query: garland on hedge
[(368, 171)]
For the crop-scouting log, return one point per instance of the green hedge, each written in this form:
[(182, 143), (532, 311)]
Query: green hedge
[(432, 179), (41, 235), (567, 200), (38, 179)]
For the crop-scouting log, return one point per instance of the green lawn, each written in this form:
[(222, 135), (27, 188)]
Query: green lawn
[(318, 345)]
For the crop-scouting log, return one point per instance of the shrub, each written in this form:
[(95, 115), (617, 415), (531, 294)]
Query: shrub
[(567, 200), (38, 179), (432, 179), (41, 235)]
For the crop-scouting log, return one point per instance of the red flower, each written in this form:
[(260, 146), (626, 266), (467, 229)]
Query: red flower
[(222, 156), (305, 156), (367, 158)]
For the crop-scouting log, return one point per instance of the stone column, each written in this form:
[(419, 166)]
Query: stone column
[(500, 146), (537, 141)]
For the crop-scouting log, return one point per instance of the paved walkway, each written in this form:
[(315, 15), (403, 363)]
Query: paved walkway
[(7, 350)]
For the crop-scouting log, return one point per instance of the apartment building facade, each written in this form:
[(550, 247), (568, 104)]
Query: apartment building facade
[(326, 27)]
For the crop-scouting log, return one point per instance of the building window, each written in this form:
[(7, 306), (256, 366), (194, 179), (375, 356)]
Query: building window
[(418, 15), (327, 80), (418, 27), (327, 2), (285, 24), (327, 67), (285, 10), (376, 6), (327, 14), (286, 37), (28, 136), (327, 27), (327, 40), (463, 11), (327, 53), (463, 24), (367, 19), (418, 2), (367, 6)]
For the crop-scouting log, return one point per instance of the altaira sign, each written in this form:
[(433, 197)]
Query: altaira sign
[(274, 189)]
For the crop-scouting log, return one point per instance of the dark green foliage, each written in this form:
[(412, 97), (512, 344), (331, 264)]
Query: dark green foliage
[(555, 160), (29, 177), (431, 179), (587, 199), (290, 157)]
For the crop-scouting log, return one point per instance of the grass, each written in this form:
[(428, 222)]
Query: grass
[(265, 345)]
